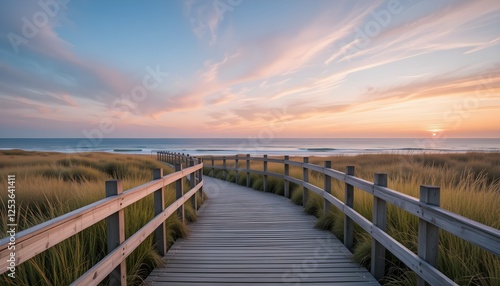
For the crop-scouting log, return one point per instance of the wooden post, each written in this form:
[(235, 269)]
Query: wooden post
[(236, 171), (349, 202), (328, 188), (159, 202), (428, 233), (287, 183), (179, 192), (265, 174), (248, 171), (200, 178), (115, 225), (192, 184), (224, 172), (379, 220), (305, 191), (213, 168)]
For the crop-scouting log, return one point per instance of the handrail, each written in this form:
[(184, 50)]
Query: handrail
[(35, 240), (431, 216)]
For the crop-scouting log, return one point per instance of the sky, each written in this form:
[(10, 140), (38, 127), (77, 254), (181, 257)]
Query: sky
[(249, 68)]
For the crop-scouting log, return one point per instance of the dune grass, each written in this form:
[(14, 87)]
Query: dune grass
[(52, 184), (470, 186)]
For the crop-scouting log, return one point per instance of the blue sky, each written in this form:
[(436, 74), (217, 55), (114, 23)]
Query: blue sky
[(238, 68)]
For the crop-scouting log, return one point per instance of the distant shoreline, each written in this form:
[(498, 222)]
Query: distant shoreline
[(256, 146)]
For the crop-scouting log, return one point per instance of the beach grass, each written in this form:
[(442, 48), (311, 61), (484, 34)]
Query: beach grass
[(52, 184), (470, 186)]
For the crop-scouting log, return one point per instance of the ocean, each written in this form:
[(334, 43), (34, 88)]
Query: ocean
[(256, 146)]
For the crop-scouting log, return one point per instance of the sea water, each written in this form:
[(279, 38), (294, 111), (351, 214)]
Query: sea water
[(256, 146)]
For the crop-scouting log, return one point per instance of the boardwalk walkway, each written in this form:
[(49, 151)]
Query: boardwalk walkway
[(246, 237)]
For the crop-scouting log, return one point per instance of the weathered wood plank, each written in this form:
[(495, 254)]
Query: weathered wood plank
[(246, 236)]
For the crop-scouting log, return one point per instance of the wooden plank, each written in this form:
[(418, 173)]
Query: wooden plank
[(159, 203), (380, 221), (245, 236), (115, 234), (349, 202), (428, 234), (286, 174)]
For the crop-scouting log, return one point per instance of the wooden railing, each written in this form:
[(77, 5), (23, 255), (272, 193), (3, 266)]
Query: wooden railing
[(431, 216), (35, 240)]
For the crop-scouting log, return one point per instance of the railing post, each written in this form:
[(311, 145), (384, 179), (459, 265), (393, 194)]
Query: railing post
[(159, 203), (213, 168), (349, 202), (224, 172), (248, 171), (192, 184), (265, 174), (115, 225), (179, 192), (328, 188), (236, 171), (379, 220), (287, 183), (200, 178), (428, 233), (305, 191)]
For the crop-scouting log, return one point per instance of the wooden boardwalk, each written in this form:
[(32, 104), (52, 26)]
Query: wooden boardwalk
[(245, 237)]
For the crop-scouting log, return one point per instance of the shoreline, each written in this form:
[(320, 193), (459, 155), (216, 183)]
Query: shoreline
[(258, 146), (315, 153)]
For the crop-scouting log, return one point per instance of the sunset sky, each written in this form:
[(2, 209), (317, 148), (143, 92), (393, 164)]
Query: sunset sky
[(238, 68)]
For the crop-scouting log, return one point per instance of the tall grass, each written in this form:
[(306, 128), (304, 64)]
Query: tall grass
[(470, 186), (52, 184)]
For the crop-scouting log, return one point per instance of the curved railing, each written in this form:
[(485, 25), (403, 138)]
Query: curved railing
[(35, 240), (431, 216)]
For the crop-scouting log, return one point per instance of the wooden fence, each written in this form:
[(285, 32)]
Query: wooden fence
[(35, 240), (431, 216)]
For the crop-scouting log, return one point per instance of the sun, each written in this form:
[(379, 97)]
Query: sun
[(433, 134)]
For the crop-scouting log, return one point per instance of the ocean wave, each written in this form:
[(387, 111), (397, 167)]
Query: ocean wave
[(318, 149)]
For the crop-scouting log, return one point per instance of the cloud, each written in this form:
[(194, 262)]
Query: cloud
[(420, 36), (221, 99)]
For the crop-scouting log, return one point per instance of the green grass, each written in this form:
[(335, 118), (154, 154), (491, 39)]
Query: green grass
[(52, 184), (470, 186)]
